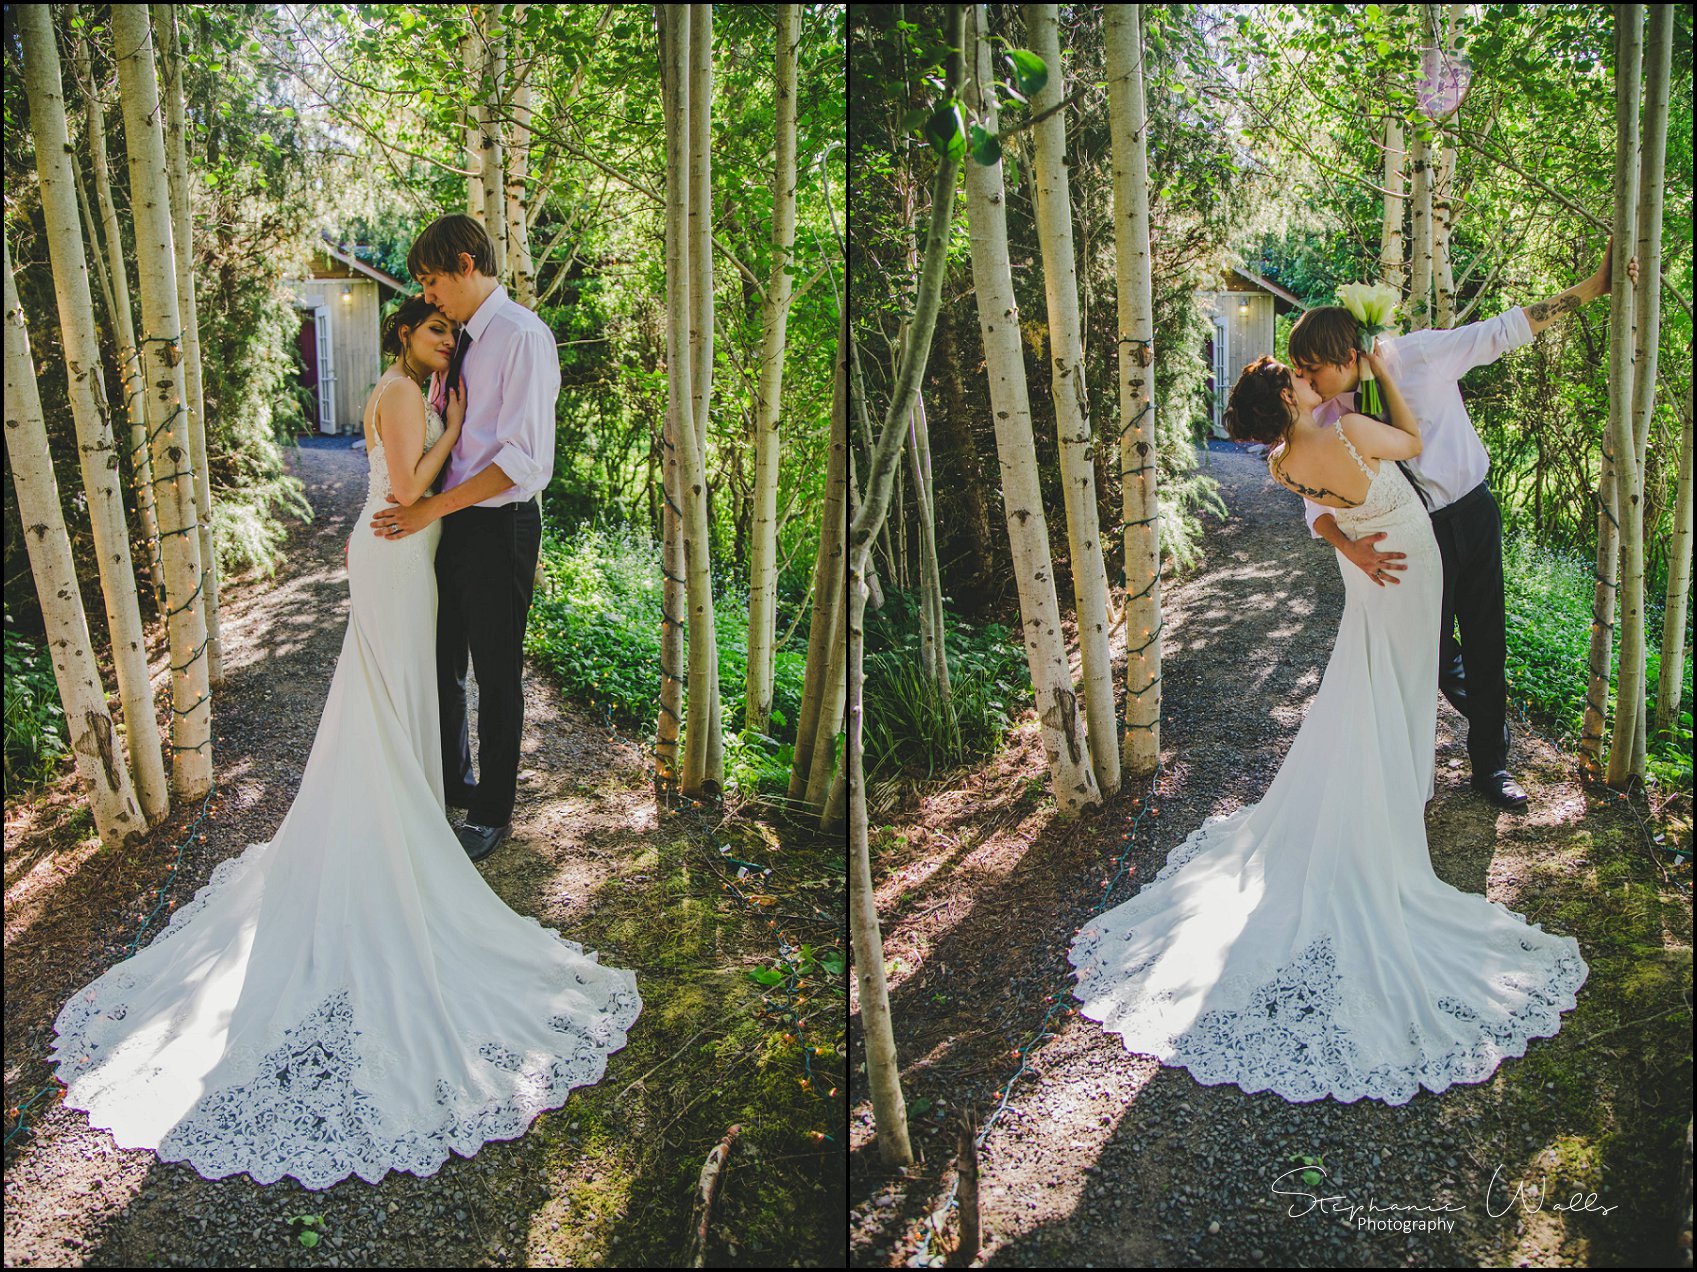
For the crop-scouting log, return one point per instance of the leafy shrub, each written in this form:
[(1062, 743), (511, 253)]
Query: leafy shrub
[(1549, 595), (596, 625), (36, 740), (906, 724)]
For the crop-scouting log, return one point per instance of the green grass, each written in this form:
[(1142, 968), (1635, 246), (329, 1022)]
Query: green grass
[(1549, 597)]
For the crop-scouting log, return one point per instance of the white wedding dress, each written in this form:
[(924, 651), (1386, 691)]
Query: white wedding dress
[(351, 997), (1303, 945)]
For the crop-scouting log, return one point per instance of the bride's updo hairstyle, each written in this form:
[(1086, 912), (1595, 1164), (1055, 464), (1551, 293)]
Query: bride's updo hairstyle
[(1256, 412), (409, 313)]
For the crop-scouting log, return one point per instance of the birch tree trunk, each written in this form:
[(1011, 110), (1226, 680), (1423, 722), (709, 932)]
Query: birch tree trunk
[(494, 145), (129, 356), (1623, 372), (828, 575), (518, 168), (1393, 269), (94, 742), (775, 311), (1072, 420), (471, 58), (185, 621), (673, 66), (835, 691), (933, 647), (701, 362), (165, 21), (1123, 33), (1627, 761), (86, 388), (1071, 777), (1604, 595), (1443, 196), (703, 770), (883, 1070), (1419, 306), (1668, 684)]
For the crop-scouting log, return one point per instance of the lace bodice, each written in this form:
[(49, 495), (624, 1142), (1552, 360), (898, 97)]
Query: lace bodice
[(1390, 499), (379, 487)]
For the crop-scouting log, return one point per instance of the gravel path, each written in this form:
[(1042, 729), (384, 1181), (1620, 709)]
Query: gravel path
[(1104, 1158), (72, 1197)]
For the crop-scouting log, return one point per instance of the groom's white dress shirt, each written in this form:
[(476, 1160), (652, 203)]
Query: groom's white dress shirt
[(1426, 366), (512, 378)]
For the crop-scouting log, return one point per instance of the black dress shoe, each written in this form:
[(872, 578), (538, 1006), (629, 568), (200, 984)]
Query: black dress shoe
[(480, 841), (1501, 789), (462, 799)]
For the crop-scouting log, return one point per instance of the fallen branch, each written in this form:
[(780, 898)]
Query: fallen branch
[(708, 1190)]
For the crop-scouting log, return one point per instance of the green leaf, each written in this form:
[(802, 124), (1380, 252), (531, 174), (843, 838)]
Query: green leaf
[(1029, 71), (946, 131), (986, 147), (919, 1107), (913, 120), (767, 976), (833, 962)]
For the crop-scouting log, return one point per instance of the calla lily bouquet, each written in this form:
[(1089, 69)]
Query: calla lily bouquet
[(1372, 306)]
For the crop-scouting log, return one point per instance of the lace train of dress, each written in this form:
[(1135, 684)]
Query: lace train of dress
[(1303, 945), (351, 997)]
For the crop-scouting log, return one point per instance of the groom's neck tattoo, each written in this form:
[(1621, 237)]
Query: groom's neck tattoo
[(1316, 493), (1545, 310)]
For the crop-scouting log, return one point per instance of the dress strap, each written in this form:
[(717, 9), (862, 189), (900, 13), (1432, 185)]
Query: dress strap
[(1353, 453)]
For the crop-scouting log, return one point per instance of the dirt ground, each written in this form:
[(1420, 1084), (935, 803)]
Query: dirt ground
[(607, 1180), (1105, 1158)]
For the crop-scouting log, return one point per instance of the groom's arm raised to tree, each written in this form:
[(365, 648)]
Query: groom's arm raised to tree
[(1541, 314)]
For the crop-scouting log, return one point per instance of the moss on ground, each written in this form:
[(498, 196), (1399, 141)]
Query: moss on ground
[(706, 1054)]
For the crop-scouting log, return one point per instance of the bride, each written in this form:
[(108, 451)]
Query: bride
[(351, 997), (1303, 945)]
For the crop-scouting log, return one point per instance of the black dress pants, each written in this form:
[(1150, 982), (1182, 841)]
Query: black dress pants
[(485, 573), (1470, 674)]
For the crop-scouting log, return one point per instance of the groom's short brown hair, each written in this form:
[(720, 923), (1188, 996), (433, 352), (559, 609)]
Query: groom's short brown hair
[(1323, 337), (437, 250)]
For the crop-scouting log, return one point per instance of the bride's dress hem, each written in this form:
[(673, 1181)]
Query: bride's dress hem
[(1244, 1042), (327, 1038)]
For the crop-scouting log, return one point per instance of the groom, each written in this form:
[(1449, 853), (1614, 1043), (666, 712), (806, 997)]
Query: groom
[(486, 559), (1450, 472)]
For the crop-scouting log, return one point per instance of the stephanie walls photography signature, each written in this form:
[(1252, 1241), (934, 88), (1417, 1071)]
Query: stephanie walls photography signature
[(1500, 1197)]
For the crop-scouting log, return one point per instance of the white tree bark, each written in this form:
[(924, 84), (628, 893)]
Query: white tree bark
[(1123, 27), (95, 444), (129, 355), (1419, 305), (1072, 419), (775, 308), (1393, 269), (176, 151), (1628, 761), (471, 58), (701, 362), (674, 66), (94, 742), (828, 575), (1623, 372), (1668, 686), (492, 109), (518, 167), (1072, 779), (191, 697), (703, 768)]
